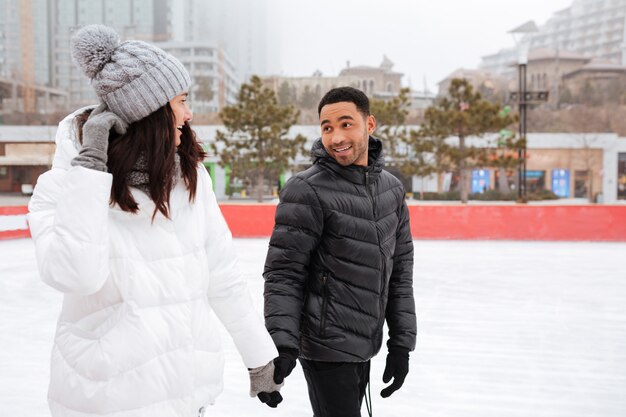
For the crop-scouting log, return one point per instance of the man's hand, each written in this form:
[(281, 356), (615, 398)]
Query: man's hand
[(397, 367), (284, 364)]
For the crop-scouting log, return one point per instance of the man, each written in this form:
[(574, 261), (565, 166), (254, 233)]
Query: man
[(340, 263)]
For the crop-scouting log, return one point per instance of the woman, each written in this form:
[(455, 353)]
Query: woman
[(127, 226)]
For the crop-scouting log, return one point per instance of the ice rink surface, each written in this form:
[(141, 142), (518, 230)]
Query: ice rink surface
[(505, 329)]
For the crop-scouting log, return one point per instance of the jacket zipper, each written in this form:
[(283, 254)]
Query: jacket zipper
[(381, 318), (324, 305), (370, 195)]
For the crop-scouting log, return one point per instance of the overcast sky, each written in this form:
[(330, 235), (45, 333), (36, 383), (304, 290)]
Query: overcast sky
[(425, 39)]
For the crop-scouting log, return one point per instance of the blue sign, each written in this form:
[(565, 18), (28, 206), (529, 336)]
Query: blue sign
[(480, 180), (560, 182)]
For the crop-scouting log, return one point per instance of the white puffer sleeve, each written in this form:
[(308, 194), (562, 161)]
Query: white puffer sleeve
[(68, 216), (228, 292)]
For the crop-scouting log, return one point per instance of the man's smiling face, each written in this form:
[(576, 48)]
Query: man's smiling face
[(345, 132)]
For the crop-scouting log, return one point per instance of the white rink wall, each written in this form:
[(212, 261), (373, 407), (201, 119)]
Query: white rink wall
[(504, 329)]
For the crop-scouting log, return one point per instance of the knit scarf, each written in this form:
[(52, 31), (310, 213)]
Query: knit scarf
[(138, 177)]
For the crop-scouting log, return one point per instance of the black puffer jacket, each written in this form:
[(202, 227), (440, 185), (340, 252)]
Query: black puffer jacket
[(340, 262)]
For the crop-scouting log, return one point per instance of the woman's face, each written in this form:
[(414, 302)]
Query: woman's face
[(182, 114)]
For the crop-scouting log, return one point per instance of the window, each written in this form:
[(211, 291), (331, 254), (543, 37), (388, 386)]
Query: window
[(480, 180), (560, 182), (580, 184), (204, 52), (535, 181), (21, 175), (202, 66)]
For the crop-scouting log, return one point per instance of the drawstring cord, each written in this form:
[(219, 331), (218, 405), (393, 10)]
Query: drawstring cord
[(368, 394)]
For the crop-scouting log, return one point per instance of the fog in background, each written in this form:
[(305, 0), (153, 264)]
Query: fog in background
[(425, 40)]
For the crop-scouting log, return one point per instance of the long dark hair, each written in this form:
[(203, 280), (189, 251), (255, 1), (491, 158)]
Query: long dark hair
[(154, 137)]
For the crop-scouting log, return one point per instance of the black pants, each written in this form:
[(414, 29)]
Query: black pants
[(336, 389)]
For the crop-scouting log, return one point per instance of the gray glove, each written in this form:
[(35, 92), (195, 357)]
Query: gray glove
[(93, 153), (262, 385)]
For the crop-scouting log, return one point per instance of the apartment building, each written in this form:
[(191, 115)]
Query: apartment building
[(595, 28)]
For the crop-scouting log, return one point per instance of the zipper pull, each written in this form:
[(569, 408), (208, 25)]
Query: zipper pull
[(367, 177)]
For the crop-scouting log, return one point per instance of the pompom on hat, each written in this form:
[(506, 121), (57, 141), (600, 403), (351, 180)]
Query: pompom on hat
[(133, 78)]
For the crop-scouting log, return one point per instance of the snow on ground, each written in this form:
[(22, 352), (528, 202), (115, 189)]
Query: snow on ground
[(504, 329)]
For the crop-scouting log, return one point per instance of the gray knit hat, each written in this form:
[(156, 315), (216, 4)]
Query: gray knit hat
[(133, 78)]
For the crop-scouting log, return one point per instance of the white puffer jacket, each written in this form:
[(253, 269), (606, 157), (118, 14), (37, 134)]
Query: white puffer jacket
[(136, 335)]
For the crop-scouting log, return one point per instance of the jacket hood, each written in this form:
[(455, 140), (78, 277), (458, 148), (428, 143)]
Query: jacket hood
[(353, 173)]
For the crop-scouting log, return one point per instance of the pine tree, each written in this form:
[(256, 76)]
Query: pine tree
[(255, 143), (286, 94), (461, 114), (504, 156), (390, 124), (426, 156)]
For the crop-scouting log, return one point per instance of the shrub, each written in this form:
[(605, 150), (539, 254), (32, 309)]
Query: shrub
[(489, 195)]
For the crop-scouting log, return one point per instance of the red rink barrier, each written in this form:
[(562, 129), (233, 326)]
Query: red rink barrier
[(14, 234), (13, 210), (458, 222), (249, 220), (7, 232), (584, 223), (454, 222)]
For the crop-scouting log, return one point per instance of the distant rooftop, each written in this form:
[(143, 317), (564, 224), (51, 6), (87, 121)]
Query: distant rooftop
[(598, 65), (549, 54)]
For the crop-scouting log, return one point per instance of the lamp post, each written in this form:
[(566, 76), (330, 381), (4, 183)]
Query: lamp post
[(522, 41), (521, 152)]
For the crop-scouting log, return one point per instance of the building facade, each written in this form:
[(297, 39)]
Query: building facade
[(488, 83), (25, 57), (606, 77), (214, 79), (25, 25), (589, 166), (377, 82), (502, 63), (595, 28), (584, 166), (25, 153), (239, 27), (234, 37), (563, 74), (132, 19), (592, 28)]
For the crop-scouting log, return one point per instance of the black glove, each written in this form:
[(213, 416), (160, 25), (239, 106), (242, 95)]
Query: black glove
[(284, 364), (272, 399), (397, 367)]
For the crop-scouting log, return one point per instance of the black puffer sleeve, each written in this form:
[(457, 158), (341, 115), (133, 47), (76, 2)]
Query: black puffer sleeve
[(400, 314), (297, 232)]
